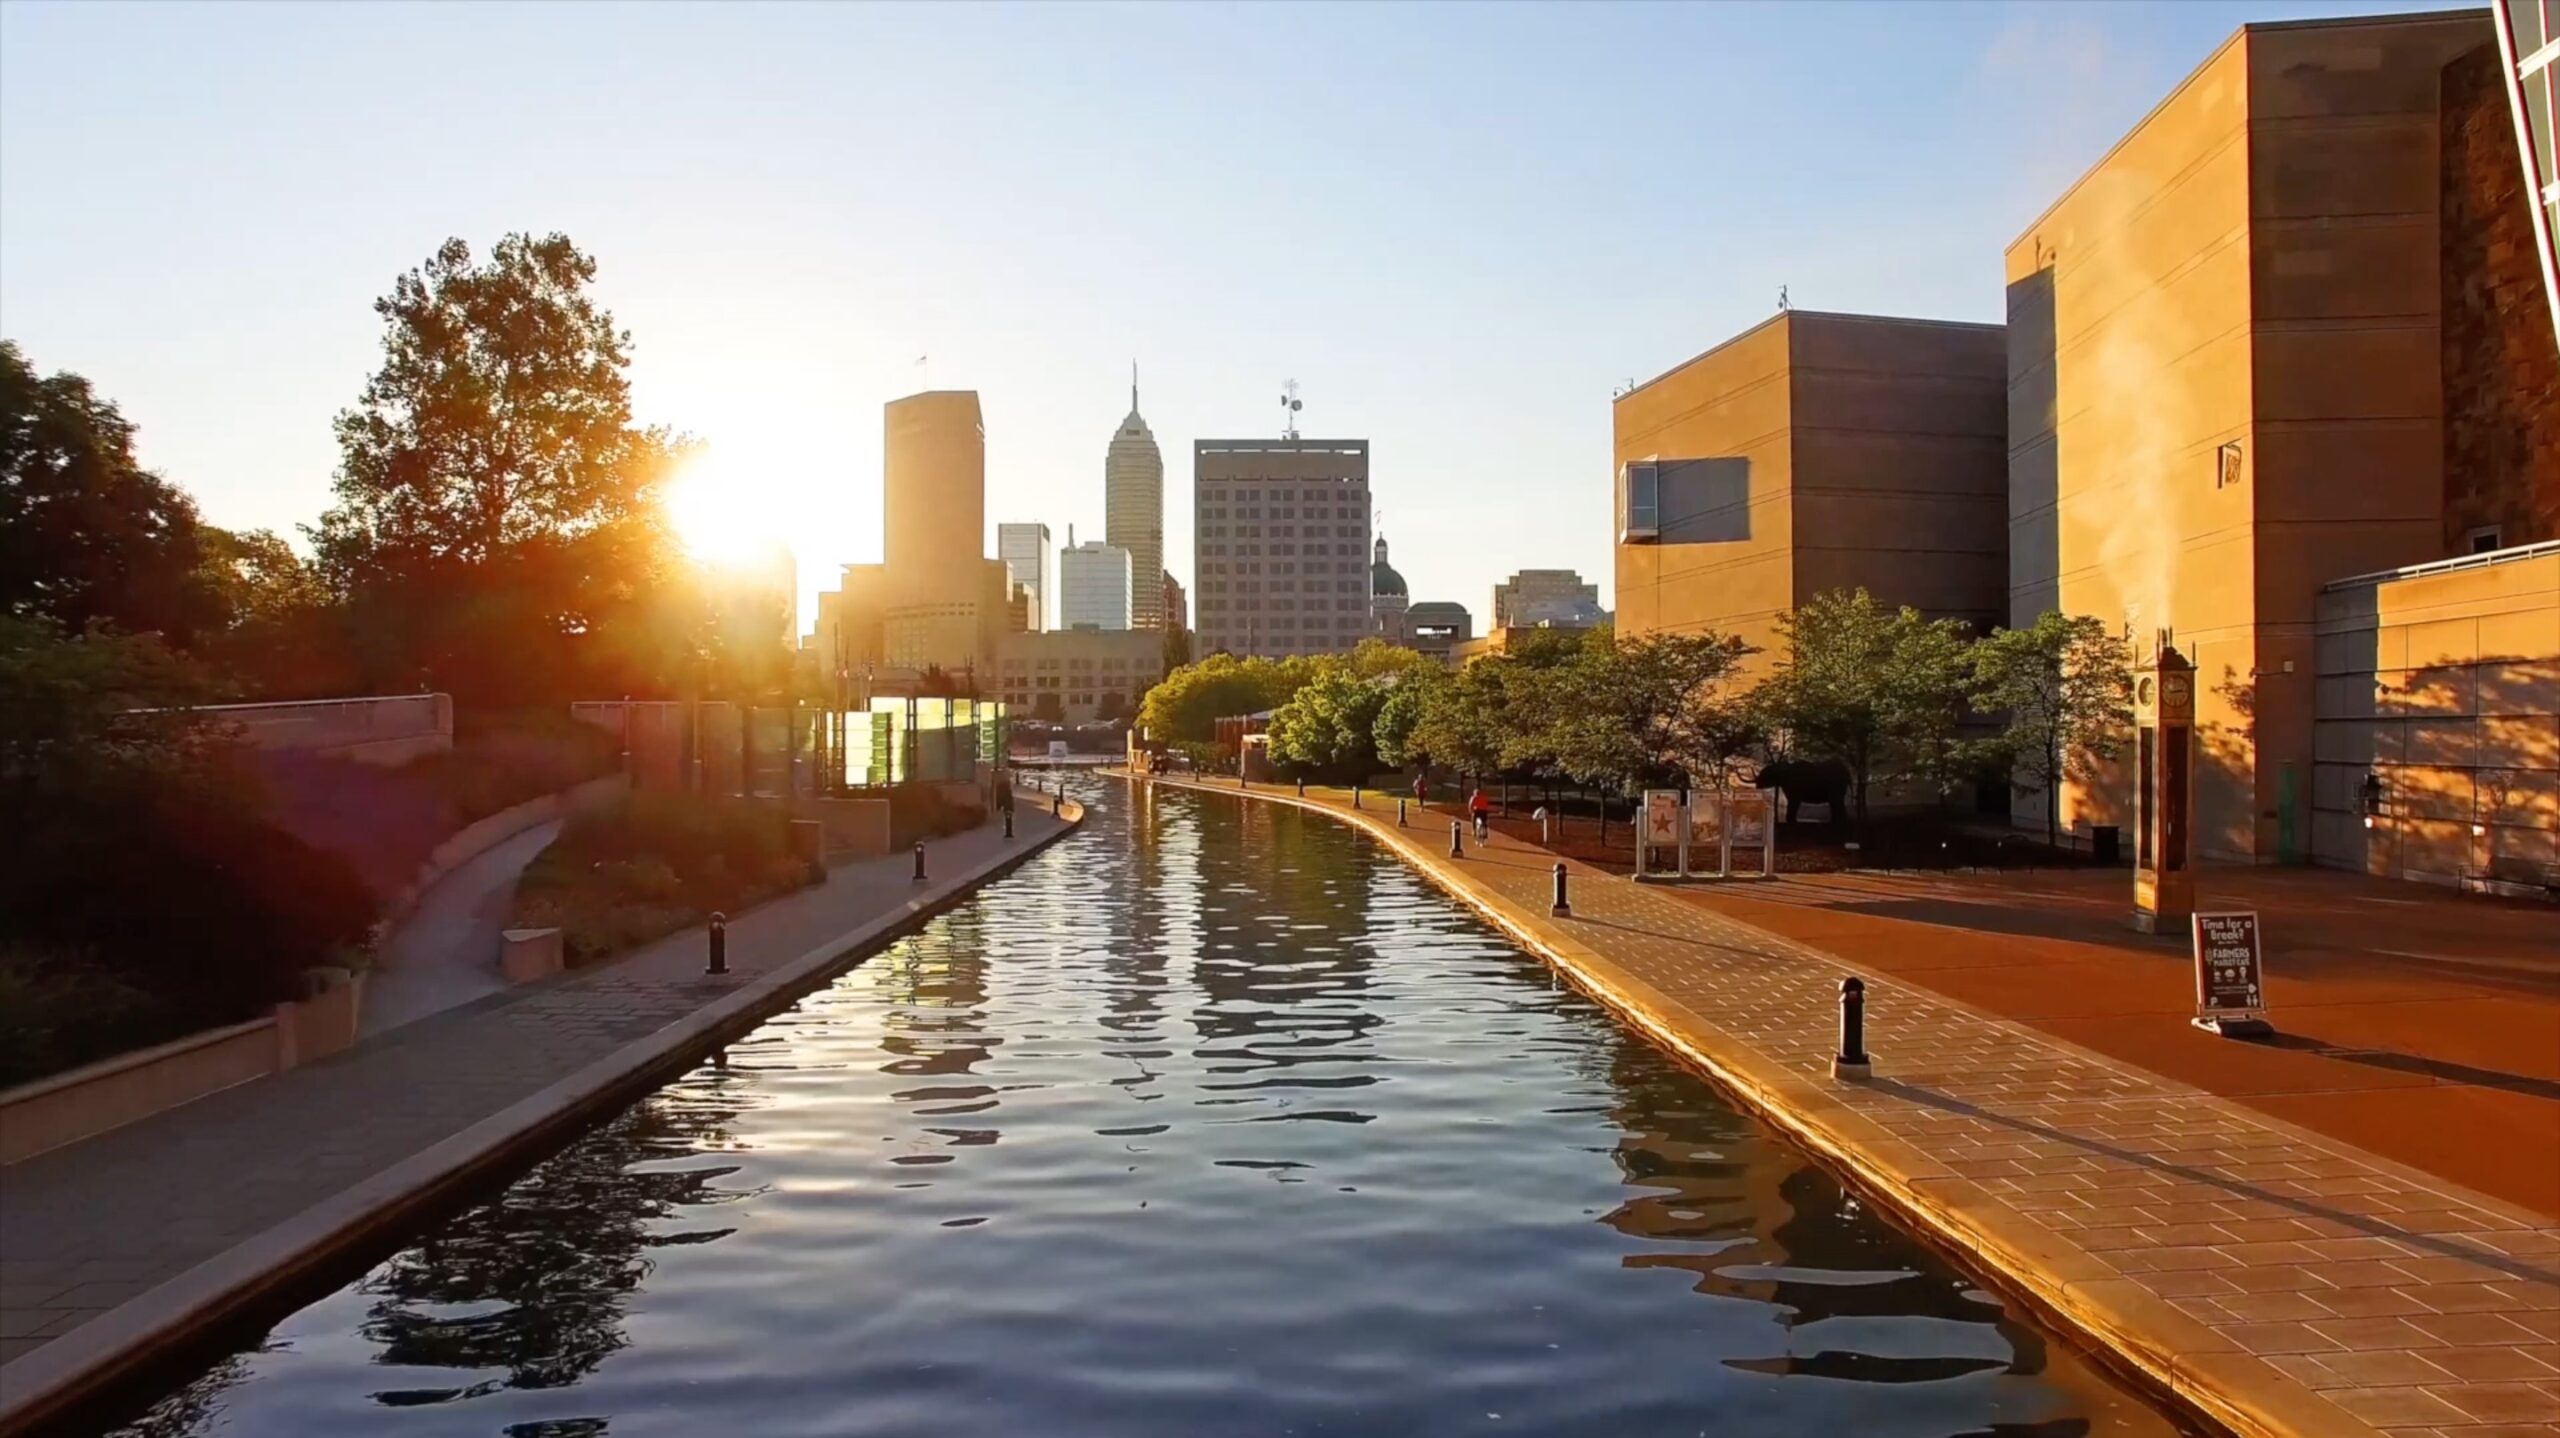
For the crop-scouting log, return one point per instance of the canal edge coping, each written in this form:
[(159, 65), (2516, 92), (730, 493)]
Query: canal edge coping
[(2174, 1356), (55, 1380)]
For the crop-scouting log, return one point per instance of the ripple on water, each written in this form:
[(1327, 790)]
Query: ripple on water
[(1222, 1122)]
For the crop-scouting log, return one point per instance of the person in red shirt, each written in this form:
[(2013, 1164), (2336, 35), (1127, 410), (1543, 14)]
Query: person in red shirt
[(1481, 809)]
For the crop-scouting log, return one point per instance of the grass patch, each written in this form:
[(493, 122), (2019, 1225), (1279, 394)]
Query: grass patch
[(655, 864)]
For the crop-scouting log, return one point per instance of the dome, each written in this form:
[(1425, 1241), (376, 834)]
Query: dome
[(1384, 582)]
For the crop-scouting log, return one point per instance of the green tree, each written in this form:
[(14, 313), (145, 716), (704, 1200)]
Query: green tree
[(88, 536), (1880, 690), (1624, 711), (1177, 648), (496, 514), (2065, 684), (1395, 735), (1187, 705), (284, 636)]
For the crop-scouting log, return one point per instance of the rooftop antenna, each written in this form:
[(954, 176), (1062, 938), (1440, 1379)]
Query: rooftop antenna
[(1290, 404), (1782, 299)]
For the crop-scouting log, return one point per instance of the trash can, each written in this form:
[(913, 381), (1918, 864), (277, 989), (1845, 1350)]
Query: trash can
[(2104, 845)]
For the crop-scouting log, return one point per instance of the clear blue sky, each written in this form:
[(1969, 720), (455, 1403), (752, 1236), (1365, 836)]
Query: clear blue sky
[(1458, 227)]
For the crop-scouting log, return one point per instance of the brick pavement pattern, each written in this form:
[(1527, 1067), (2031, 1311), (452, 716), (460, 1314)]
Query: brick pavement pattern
[(97, 1223), (2282, 1283)]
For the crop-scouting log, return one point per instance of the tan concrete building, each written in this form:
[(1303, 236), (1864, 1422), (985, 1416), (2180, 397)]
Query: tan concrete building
[(1280, 545), (2229, 383), (1813, 452), (1547, 596), (2437, 746), (1078, 675)]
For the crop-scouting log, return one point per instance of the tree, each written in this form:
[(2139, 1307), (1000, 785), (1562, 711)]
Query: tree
[(1187, 705), (1177, 648), (1329, 726), (88, 536), (496, 514), (1395, 734), (1624, 711), (2066, 685), (1877, 689), (284, 635)]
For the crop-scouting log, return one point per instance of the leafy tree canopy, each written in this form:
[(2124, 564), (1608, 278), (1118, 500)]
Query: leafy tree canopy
[(1878, 689), (88, 536), (2065, 685)]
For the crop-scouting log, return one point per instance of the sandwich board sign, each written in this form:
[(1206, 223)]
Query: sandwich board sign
[(2230, 975)]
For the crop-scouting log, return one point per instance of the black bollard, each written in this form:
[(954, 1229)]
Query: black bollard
[(1302, 788), (1562, 908), (719, 945), (1008, 821), (1399, 813), (1457, 840), (1852, 1061), (919, 861), (1355, 796), (1058, 803)]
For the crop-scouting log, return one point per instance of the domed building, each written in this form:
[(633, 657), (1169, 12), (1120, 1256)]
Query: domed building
[(1386, 597)]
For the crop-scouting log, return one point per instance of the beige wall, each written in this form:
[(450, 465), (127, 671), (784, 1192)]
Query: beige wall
[(2446, 687), (1726, 563), (2254, 264), (1819, 452), (1080, 666)]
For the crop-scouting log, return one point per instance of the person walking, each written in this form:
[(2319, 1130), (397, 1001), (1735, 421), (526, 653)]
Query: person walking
[(1421, 789), (1481, 809)]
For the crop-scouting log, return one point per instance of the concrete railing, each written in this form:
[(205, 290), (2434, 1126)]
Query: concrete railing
[(385, 730), (68, 1107), (481, 835)]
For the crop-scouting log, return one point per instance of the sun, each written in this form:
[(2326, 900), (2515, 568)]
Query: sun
[(722, 517)]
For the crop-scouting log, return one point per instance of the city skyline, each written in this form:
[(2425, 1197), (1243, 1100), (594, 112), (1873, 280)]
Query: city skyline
[(772, 317)]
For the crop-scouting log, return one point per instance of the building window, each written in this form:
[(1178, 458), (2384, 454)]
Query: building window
[(1642, 500), (2226, 465), (2482, 539)]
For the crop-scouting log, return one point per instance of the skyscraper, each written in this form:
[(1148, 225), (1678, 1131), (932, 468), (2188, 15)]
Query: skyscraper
[(1280, 533), (1133, 509), (944, 603), (1024, 548), (1093, 586)]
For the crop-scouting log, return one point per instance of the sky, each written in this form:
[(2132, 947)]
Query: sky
[(1458, 227)]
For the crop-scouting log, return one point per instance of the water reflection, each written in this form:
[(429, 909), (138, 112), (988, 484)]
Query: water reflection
[(1212, 1120)]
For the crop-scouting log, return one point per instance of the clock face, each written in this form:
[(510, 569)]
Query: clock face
[(2146, 689), (2174, 689)]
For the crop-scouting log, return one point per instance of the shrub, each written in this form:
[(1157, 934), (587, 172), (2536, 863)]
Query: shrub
[(60, 1009), (659, 862)]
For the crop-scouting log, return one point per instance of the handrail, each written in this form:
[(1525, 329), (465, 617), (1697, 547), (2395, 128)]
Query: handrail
[(2447, 566)]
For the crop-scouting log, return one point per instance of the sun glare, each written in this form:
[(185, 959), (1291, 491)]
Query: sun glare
[(723, 518)]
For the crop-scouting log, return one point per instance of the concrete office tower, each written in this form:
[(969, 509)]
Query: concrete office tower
[(942, 611), (1814, 452), (1133, 509), (1280, 545), (1554, 597), (1093, 586), (2255, 351), (1024, 548), (1177, 610)]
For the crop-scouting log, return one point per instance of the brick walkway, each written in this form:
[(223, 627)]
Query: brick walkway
[(92, 1226), (2282, 1283)]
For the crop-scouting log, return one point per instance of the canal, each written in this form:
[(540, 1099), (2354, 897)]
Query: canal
[(1213, 1119)]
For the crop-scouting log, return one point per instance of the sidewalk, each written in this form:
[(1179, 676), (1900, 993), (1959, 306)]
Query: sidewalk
[(127, 1242), (2413, 1023), (2279, 1282)]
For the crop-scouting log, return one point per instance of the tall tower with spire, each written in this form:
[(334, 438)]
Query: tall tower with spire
[(1133, 510)]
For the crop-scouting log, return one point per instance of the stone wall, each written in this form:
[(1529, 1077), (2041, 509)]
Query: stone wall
[(2501, 362)]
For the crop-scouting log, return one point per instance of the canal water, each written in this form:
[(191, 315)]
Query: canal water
[(1213, 1119)]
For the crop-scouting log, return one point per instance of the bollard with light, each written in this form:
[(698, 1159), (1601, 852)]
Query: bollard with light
[(1457, 840), (719, 945), (1400, 814), (1562, 908), (919, 861)]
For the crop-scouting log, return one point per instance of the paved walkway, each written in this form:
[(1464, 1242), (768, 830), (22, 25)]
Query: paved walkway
[(89, 1229), (2413, 1023), (2282, 1283), (446, 953)]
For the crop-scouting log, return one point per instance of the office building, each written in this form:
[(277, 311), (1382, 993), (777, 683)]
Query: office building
[(1556, 597), (1093, 586), (2529, 73), (1437, 627), (1280, 535), (1024, 548), (1079, 676), (935, 602), (2282, 347), (1177, 610), (1811, 453), (1133, 509)]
